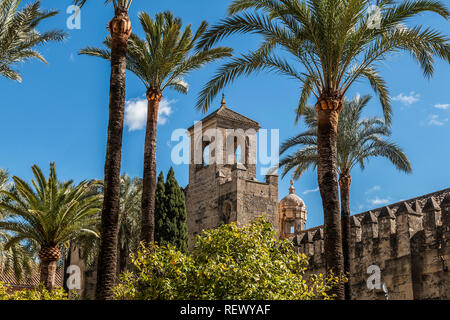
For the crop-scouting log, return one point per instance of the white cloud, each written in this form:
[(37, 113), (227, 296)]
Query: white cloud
[(407, 99), (442, 106), (374, 188), (165, 110), (377, 201), (136, 113), (434, 120), (311, 190)]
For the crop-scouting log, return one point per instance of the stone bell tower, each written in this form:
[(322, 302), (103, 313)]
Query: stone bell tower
[(222, 174)]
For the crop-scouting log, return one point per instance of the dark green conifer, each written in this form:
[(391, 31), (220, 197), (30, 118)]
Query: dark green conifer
[(160, 211), (176, 213)]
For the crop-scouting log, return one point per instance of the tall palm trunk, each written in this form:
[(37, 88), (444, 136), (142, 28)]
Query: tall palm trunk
[(120, 29), (124, 249), (154, 96), (328, 113), (344, 184), (49, 256)]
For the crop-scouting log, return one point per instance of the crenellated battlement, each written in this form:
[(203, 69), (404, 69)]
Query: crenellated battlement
[(406, 217), (398, 238)]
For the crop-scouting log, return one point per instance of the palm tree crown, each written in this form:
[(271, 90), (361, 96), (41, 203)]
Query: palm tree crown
[(164, 57), (358, 140), (51, 214), (336, 42), (19, 36), (48, 216), (129, 226)]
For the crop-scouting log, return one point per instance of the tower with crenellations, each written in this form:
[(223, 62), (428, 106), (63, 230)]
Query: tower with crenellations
[(222, 174)]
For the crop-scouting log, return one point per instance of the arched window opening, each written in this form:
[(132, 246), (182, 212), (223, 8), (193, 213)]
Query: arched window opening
[(289, 227), (238, 155), (206, 156)]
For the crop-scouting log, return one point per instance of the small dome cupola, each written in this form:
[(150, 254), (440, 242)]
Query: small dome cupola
[(292, 200), (292, 214)]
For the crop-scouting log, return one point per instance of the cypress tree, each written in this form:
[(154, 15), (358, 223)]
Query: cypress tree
[(176, 213), (160, 211)]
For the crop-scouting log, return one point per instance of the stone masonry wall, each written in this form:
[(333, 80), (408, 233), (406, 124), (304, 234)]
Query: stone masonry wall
[(409, 241)]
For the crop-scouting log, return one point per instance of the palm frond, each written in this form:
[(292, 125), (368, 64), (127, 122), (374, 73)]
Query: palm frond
[(358, 140), (47, 211), (19, 37), (166, 55), (330, 43)]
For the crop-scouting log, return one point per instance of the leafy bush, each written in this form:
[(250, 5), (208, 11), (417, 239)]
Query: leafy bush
[(230, 262), (40, 293)]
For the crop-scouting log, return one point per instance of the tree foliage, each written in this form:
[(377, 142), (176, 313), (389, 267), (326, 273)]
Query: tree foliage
[(40, 293), (358, 140), (129, 225), (19, 257), (326, 45), (230, 262), (170, 213), (166, 55), (19, 36), (49, 212), (161, 220)]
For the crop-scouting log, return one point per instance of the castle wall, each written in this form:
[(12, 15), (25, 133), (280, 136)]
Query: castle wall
[(409, 242)]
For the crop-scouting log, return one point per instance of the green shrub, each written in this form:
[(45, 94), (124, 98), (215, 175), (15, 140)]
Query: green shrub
[(40, 293), (229, 262)]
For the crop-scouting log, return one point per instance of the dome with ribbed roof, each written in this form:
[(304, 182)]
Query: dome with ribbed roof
[(292, 200), (292, 214)]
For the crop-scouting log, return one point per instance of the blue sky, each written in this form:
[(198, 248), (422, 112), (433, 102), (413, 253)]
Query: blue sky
[(60, 111)]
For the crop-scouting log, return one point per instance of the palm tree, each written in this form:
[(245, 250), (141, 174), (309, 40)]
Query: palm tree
[(160, 61), (87, 244), (129, 221), (328, 45), (120, 30), (129, 227), (19, 36), (48, 216), (18, 257), (358, 140)]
